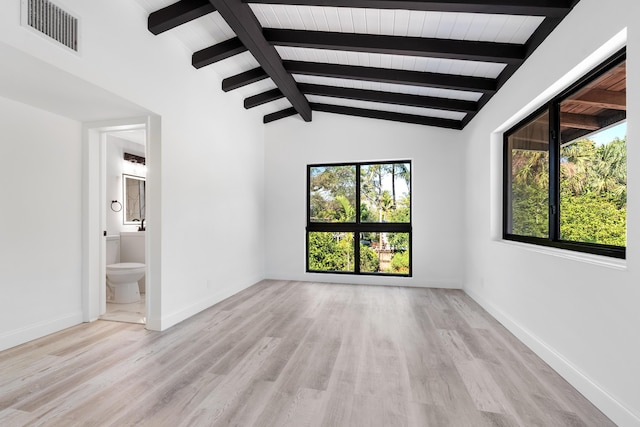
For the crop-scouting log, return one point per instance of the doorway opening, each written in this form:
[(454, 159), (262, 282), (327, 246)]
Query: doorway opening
[(117, 233)]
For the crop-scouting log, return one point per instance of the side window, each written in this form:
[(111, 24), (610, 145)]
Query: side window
[(565, 168)]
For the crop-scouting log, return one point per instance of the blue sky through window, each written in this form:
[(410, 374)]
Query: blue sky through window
[(605, 136)]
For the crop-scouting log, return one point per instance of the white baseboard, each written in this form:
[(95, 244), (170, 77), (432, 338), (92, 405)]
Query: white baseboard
[(178, 316), (38, 330), (346, 279), (602, 399)]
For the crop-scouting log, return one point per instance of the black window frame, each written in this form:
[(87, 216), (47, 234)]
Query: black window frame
[(553, 108), (358, 227)]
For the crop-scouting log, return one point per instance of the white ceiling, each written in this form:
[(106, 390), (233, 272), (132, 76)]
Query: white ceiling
[(404, 23), (428, 112), (396, 62), (212, 29), (136, 136), (389, 87)]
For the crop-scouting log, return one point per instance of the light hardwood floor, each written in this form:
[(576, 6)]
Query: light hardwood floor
[(294, 354)]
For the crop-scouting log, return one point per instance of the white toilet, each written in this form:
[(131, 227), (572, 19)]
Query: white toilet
[(122, 277), (122, 282)]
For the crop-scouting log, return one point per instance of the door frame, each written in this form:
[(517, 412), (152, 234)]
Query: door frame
[(94, 208)]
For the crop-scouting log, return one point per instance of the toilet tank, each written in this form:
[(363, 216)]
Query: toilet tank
[(132, 246), (113, 249)]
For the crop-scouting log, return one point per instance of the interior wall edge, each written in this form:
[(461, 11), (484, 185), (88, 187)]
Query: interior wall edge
[(616, 410), (366, 280), (172, 319), (40, 329)]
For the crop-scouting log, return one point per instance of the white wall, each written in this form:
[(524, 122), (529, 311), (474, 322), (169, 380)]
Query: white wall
[(212, 165), (437, 163), (40, 184), (583, 317), (582, 313)]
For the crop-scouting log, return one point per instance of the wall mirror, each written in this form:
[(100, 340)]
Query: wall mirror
[(134, 199)]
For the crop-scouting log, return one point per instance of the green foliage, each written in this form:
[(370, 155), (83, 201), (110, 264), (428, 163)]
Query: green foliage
[(382, 202), (329, 188), (402, 211), (530, 193), (593, 192), (347, 212), (369, 261), (530, 210), (591, 218), (331, 251), (400, 262), (365, 214), (597, 170)]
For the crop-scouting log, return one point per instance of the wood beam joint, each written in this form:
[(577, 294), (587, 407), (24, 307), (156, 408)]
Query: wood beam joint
[(279, 115), (245, 25), (263, 98), (243, 79), (177, 14), (217, 52)]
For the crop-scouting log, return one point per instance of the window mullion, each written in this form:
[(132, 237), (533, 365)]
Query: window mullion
[(356, 234), (554, 171), (507, 180)]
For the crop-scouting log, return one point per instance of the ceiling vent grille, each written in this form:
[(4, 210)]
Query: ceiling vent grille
[(52, 21)]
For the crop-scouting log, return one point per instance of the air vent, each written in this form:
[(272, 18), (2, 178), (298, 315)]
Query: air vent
[(52, 21)]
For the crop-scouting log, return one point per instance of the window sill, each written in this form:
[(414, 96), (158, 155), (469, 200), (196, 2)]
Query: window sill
[(599, 260)]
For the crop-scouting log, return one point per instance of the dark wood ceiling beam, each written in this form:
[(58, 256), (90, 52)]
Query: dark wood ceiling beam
[(579, 121), (608, 99), (528, 144), (385, 75), (263, 98), (243, 79), (388, 97), (279, 115), (217, 52), (412, 46), (539, 35), (177, 14), (507, 7), (387, 115), (245, 25)]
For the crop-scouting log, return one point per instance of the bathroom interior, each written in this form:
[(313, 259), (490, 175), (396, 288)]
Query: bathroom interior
[(125, 175)]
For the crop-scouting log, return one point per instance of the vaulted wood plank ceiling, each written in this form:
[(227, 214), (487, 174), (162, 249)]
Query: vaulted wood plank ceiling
[(435, 63)]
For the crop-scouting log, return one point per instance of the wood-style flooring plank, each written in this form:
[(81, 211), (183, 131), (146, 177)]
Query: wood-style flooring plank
[(284, 353)]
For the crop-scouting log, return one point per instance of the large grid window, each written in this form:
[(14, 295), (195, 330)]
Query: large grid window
[(359, 218), (565, 174)]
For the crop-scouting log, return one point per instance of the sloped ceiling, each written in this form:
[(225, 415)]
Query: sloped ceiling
[(434, 63)]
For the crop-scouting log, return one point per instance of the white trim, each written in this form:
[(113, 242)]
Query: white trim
[(617, 411), (38, 330), (94, 212), (599, 260), (203, 304), (367, 280)]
